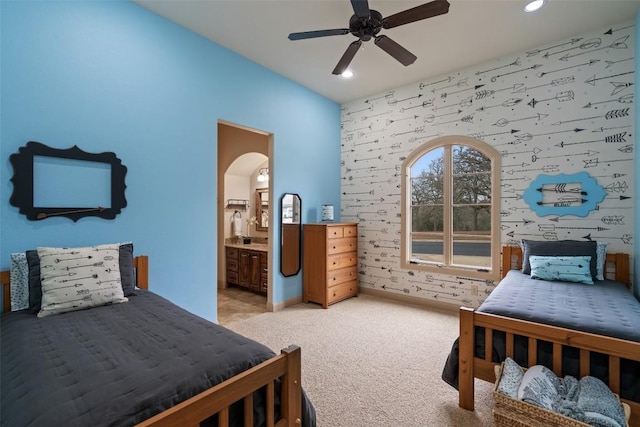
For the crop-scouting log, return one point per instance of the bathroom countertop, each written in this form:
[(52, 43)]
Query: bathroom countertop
[(253, 246)]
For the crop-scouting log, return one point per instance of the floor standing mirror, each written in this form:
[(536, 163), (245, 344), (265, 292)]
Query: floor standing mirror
[(290, 234)]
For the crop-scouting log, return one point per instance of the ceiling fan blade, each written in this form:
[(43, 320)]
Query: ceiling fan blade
[(394, 49), (361, 8), (427, 10), (319, 33), (347, 57)]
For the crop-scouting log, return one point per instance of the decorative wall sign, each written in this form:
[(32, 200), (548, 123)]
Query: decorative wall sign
[(23, 182), (576, 194)]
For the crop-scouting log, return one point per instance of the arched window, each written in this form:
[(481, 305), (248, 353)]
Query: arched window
[(451, 208)]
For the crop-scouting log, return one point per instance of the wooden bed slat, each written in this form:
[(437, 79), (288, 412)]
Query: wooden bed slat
[(488, 343), (585, 362), (223, 418), (248, 410), (557, 359), (614, 374), (533, 352), (510, 345), (270, 405)]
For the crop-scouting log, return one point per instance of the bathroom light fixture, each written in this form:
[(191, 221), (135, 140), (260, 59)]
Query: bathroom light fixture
[(534, 5), (263, 175), (347, 74)]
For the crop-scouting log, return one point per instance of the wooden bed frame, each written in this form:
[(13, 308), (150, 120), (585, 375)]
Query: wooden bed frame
[(483, 368), (286, 366)]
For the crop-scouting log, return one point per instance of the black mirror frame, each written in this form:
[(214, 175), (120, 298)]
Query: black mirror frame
[(22, 196), (282, 237)]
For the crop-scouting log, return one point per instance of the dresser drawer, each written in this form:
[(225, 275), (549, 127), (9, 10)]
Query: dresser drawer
[(342, 231), (342, 291), (350, 231), (342, 260), (345, 244), (335, 277)]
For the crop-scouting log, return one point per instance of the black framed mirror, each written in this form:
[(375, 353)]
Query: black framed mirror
[(290, 234), (70, 182)]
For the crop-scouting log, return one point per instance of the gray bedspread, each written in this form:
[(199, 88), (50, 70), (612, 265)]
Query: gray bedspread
[(605, 308), (116, 365)]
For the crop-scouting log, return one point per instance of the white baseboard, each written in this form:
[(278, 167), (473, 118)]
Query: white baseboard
[(410, 300)]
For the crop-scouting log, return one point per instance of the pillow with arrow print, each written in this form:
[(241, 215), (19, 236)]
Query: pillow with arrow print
[(79, 278), (563, 268)]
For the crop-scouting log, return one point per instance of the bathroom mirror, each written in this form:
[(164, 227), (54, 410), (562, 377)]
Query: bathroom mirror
[(290, 234), (262, 209)]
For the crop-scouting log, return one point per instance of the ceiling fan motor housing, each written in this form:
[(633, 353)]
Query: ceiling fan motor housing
[(366, 28)]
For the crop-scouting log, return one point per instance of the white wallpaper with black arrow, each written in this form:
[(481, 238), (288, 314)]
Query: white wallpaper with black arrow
[(559, 109)]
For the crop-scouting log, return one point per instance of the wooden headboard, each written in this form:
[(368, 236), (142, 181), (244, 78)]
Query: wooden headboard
[(140, 263), (616, 265)]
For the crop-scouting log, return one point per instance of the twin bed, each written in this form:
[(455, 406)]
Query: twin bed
[(572, 328), (145, 362)]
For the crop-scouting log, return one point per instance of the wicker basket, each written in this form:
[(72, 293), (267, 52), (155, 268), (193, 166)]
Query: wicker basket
[(509, 412)]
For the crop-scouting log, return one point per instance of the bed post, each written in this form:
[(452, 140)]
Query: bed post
[(506, 260), (5, 278), (141, 263), (291, 387), (465, 358)]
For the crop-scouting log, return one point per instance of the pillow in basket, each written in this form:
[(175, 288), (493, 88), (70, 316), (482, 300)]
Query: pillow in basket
[(511, 378), (539, 387)]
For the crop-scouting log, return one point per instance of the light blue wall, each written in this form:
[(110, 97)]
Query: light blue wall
[(636, 270), (112, 76)]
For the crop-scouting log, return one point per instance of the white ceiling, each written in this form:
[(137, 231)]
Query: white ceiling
[(473, 32)]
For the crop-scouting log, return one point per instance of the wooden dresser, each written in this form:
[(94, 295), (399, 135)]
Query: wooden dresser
[(330, 262)]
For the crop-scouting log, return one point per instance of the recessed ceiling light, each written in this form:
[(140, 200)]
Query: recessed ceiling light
[(534, 5), (347, 74)]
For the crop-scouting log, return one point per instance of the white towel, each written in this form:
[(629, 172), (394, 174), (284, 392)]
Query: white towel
[(236, 225)]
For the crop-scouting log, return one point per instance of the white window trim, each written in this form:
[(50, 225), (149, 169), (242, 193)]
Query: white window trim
[(494, 272)]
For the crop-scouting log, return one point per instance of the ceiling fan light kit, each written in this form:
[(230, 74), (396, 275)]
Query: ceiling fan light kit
[(365, 24)]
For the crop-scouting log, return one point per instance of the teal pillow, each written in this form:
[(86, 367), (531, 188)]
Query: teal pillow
[(564, 268)]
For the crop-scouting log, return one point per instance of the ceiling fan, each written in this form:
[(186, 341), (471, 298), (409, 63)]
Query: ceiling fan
[(366, 23)]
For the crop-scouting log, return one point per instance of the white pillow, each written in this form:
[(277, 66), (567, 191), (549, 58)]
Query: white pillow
[(79, 278), (539, 386)]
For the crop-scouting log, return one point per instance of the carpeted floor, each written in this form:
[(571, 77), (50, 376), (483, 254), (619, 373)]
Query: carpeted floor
[(373, 362)]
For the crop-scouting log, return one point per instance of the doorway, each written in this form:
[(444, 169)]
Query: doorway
[(244, 168)]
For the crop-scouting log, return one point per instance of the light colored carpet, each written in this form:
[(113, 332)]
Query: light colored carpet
[(373, 362)]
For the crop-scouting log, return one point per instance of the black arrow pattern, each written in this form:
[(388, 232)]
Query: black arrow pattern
[(566, 107)]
